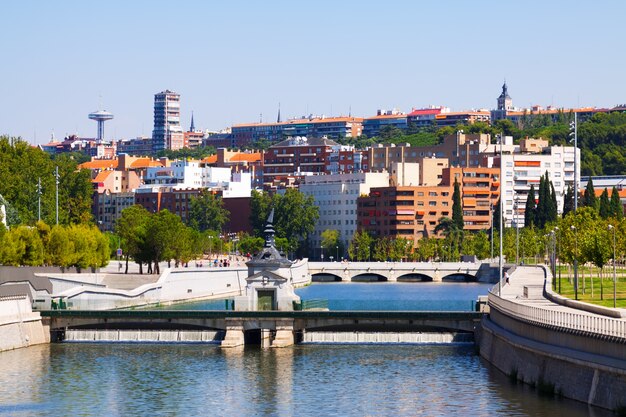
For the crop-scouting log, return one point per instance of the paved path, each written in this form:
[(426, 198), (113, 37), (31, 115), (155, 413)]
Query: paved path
[(533, 278)]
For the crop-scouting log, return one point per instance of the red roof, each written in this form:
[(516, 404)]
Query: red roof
[(424, 112)]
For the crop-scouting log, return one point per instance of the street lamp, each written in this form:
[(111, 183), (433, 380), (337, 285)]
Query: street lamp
[(556, 253), (337, 249), (614, 272), (516, 232), (322, 250), (575, 261)]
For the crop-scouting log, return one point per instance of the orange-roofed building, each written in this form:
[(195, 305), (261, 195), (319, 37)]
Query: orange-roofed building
[(251, 162)]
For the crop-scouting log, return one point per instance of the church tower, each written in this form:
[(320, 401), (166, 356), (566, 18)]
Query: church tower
[(504, 101)]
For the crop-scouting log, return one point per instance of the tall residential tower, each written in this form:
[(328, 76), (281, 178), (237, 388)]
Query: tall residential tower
[(167, 133)]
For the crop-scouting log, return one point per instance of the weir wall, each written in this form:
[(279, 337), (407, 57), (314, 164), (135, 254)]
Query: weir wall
[(19, 325)]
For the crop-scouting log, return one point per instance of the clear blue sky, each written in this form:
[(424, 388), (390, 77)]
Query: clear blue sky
[(233, 60)]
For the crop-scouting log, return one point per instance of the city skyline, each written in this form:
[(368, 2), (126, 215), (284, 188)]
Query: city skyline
[(232, 63)]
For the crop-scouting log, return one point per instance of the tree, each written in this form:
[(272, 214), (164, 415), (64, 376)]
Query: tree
[(161, 230), (589, 197), (207, 212), (529, 212), (131, 227), (360, 246), (568, 201), (617, 210), (260, 206), (60, 247), (250, 244), (457, 207), (605, 205), (295, 216)]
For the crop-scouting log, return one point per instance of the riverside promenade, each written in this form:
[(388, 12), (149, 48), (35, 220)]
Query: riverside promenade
[(576, 350)]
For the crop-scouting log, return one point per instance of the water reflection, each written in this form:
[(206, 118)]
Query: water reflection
[(346, 380)]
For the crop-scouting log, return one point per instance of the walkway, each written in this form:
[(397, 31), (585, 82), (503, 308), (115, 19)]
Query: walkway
[(526, 287)]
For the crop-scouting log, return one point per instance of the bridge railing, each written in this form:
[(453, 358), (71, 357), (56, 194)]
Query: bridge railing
[(566, 320)]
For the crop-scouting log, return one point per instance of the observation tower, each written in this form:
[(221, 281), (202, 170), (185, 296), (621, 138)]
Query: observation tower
[(100, 116)]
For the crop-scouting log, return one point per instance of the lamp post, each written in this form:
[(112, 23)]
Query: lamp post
[(614, 271), (575, 261), (501, 261), (322, 250), (337, 249), (56, 176), (357, 253), (556, 253), (516, 231), (39, 199)]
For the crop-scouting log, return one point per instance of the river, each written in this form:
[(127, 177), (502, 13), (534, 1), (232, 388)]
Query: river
[(125, 379), (110, 379)]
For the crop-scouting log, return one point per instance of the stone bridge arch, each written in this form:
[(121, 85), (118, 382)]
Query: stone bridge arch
[(326, 277), (460, 277), (369, 277), (415, 277)]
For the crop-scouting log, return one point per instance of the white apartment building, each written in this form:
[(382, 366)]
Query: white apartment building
[(191, 175), (181, 174), (521, 170), (336, 196)]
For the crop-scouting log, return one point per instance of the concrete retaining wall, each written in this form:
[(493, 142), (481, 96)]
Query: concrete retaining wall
[(589, 378), (19, 326)]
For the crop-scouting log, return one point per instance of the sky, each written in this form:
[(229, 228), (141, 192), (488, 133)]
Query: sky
[(235, 61)]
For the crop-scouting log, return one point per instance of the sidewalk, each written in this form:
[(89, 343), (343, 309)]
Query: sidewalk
[(532, 278)]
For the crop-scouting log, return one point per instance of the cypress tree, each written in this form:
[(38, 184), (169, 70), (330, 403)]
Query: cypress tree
[(541, 210), (617, 210), (568, 203), (605, 205), (457, 207), (495, 217), (529, 214), (589, 197), (553, 213)]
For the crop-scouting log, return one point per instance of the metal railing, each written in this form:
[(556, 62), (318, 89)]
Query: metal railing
[(564, 320)]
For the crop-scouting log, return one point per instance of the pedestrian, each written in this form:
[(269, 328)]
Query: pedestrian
[(506, 277)]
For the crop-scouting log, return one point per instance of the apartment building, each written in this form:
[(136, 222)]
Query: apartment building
[(336, 197), (460, 149), (333, 127), (413, 212)]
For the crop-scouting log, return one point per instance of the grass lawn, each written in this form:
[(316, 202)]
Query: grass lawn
[(593, 290)]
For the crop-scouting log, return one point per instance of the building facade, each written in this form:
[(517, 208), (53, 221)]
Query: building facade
[(413, 212), (336, 197), (167, 133)]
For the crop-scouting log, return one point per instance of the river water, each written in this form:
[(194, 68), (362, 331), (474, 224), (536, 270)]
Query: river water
[(114, 379), (126, 379)]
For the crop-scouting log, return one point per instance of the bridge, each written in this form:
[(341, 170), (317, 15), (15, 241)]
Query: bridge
[(403, 271), (283, 324)]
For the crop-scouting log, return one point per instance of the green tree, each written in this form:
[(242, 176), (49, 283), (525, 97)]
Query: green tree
[(207, 212), (589, 197), (605, 205), (131, 227), (61, 247), (529, 212), (617, 210), (295, 216), (250, 244), (360, 246), (457, 207), (260, 207), (568, 201)]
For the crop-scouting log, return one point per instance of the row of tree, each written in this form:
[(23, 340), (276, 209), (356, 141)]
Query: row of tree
[(80, 246), (22, 166)]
